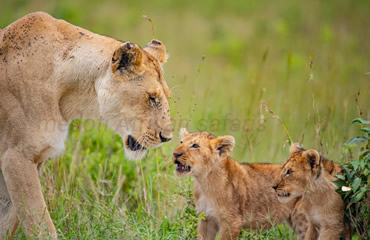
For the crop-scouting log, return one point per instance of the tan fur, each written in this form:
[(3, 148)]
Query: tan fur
[(52, 72), (311, 179), (232, 195)]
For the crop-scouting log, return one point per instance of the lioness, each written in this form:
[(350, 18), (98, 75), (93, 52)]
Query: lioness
[(232, 195), (52, 72), (309, 175)]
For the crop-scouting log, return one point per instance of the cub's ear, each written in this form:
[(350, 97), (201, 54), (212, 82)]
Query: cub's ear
[(314, 159), (183, 133), (295, 147), (127, 56), (224, 145), (157, 49)]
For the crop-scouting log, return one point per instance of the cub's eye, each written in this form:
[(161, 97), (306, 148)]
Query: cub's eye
[(288, 171), (195, 146), (180, 142)]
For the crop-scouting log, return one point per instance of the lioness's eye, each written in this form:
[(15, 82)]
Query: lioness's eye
[(153, 100), (180, 142), (288, 171), (195, 146)]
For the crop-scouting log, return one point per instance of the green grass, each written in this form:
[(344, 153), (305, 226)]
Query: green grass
[(228, 59)]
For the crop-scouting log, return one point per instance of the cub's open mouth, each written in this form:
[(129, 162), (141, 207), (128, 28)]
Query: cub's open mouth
[(182, 168), (283, 194), (133, 145)]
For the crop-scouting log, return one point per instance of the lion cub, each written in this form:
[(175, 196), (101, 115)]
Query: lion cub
[(232, 195), (309, 175)]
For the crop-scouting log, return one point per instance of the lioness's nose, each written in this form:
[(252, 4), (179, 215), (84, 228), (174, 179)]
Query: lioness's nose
[(164, 139), (275, 187)]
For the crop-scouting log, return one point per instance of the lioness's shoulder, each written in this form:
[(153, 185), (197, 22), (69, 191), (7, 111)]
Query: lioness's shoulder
[(32, 19), (33, 26), (40, 15)]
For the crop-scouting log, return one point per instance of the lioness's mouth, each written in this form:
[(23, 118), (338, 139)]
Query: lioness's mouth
[(133, 145), (283, 194), (182, 168)]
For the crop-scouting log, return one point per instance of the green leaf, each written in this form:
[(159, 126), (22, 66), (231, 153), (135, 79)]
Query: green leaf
[(365, 129), (365, 153), (360, 194), (362, 164), (357, 140), (356, 184), (340, 177), (355, 236), (355, 164), (347, 169), (363, 209), (360, 120), (339, 183)]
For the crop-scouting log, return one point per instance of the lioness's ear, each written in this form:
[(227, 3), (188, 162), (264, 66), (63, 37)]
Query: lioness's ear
[(314, 159), (157, 49), (127, 55), (224, 145), (295, 147), (183, 133)]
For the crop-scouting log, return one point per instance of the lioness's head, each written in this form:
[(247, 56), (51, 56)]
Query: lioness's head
[(133, 98), (302, 167), (199, 152)]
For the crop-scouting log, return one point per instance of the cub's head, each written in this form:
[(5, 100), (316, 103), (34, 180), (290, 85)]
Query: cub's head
[(200, 152), (301, 168), (133, 97)]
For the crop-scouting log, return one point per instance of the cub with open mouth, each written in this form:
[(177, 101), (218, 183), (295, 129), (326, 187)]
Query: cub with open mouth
[(232, 195)]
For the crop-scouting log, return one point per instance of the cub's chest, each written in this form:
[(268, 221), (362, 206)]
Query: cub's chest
[(204, 205), (315, 216)]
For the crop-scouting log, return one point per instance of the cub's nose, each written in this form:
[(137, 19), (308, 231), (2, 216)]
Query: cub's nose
[(177, 155), (164, 139), (275, 187)]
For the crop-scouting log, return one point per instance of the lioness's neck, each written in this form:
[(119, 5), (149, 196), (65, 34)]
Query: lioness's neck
[(82, 77)]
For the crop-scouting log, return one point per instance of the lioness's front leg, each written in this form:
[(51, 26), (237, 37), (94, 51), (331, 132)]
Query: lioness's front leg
[(207, 229), (21, 177), (8, 218)]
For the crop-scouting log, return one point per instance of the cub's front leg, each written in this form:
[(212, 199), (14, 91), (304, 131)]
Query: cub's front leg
[(331, 232), (230, 230), (312, 233), (207, 228)]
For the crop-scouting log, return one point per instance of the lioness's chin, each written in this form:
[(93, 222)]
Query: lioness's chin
[(135, 155), (133, 150)]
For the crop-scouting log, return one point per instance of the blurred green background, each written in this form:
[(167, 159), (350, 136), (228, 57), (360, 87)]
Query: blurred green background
[(230, 61)]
